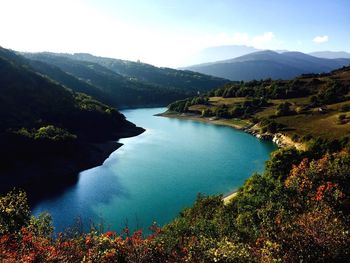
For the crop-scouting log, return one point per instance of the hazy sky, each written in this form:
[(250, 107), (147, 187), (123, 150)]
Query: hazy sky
[(167, 32)]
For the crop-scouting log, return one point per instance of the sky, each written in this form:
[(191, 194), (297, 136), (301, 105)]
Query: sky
[(169, 32)]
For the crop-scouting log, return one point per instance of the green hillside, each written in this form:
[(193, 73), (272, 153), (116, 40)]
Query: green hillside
[(124, 83), (184, 81), (47, 132), (311, 106)]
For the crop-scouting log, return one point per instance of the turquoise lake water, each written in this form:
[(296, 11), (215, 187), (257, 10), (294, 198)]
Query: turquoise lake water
[(153, 176)]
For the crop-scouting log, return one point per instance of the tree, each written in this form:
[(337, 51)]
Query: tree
[(283, 109), (282, 161)]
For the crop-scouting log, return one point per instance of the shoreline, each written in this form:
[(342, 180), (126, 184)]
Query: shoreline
[(59, 172), (227, 198), (196, 117), (279, 139)]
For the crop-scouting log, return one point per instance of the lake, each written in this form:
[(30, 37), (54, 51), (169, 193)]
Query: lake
[(153, 176)]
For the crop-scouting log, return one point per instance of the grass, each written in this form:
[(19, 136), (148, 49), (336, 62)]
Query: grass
[(227, 101), (324, 125), (238, 122), (316, 124), (214, 102)]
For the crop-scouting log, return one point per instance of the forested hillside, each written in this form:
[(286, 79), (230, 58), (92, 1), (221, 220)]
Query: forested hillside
[(184, 81), (124, 83), (47, 131)]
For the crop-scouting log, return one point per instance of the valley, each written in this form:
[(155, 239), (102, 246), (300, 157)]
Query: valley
[(148, 131)]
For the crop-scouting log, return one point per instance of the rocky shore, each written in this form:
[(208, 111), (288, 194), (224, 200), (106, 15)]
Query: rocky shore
[(280, 139)]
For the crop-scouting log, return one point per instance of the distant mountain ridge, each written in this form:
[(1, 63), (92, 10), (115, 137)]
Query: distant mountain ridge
[(184, 81), (269, 64), (124, 83), (217, 53), (330, 54), (214, 54)]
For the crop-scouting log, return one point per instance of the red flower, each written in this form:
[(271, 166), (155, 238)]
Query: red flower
[(110, 234), (88, 240)]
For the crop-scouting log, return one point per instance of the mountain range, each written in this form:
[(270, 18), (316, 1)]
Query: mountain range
[(269, 64), (219, 53), (121, 83), (330, 54)]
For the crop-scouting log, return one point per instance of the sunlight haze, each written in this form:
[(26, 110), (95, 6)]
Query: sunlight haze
[(168, 33)]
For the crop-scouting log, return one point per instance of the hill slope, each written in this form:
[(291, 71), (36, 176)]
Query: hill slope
[(47, 132), (184, 81), (330, 54), (217, 53), (125, 83), (269, 64), (312, 106)]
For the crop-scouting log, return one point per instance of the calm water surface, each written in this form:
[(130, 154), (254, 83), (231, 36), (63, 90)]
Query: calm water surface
[(155, 175)]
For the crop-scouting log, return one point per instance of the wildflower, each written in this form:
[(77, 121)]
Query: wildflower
[(110, 234)]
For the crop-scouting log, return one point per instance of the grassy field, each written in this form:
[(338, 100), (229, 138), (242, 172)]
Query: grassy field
[(319, 125), (239, 122), (329, 121), (315, 123), (227, 101), (214, 102)]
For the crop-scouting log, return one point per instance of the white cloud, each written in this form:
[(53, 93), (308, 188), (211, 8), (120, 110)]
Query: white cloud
[(320, 39), (262, 40)]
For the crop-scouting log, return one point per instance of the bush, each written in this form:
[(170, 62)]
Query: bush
[(207, 113), (283, 109), (296, 137), (49, 132), (53, 133), (341, 119), (14, 212), (345, 108)]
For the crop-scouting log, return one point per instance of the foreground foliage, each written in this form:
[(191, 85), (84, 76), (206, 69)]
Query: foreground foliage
[(296, 211)]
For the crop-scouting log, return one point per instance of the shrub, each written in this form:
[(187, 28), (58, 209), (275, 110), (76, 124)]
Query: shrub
[(14, 212), (53, 133)]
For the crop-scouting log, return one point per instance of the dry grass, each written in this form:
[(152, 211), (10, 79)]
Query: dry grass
[(325, 125), (316, 124), (227, 101)]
